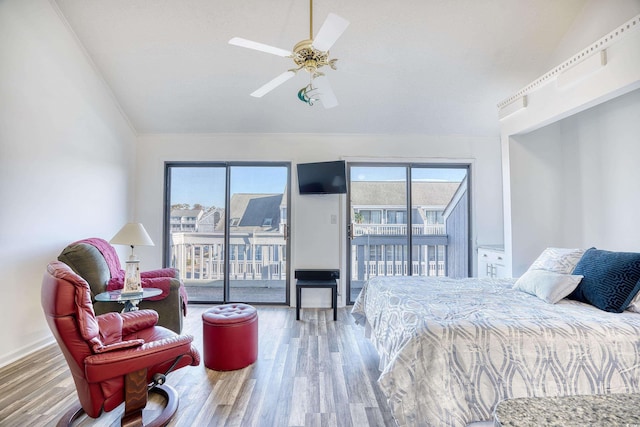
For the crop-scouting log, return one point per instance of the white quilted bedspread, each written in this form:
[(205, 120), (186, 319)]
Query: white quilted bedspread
[(451, 349)]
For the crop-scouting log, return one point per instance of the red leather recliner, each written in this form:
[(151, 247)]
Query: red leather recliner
[(108, 351)]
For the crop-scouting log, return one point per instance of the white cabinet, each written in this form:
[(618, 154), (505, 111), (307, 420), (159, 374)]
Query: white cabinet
[(491, 261)]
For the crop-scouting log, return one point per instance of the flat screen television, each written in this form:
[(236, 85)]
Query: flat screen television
[(322, 177)]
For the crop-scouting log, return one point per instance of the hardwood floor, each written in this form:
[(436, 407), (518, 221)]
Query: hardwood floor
[(312, 372)]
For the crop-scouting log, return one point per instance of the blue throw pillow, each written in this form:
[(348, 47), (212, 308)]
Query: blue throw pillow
[(611, 279)]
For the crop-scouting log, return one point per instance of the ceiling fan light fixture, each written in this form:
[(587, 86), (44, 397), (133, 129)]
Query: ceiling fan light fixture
[(307, 57)]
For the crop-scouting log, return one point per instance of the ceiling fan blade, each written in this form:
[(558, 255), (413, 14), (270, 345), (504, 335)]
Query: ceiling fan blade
[(330, 31), (259, 93), (325, 93), (237, 41)]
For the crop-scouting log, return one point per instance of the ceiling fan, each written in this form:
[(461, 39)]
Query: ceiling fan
[(308, 55)]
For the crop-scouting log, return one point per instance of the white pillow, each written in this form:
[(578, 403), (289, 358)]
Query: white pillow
[(558, 260), (635, 304), (547, 285)]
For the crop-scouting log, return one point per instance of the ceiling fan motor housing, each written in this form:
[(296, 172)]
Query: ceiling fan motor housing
[(305, 56)]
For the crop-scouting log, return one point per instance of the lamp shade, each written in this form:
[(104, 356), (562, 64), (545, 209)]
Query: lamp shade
[(132, 234)]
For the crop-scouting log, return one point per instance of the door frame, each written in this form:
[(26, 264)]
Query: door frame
[(456, 164), (166, 234)]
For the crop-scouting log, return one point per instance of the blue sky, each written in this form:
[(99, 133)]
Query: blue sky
[(206, 185), (399, 173)]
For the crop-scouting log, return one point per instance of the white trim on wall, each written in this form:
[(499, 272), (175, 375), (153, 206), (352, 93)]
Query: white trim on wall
[(600, 45)]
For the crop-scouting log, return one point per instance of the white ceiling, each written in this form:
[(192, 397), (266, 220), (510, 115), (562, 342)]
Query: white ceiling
[(435, 67)]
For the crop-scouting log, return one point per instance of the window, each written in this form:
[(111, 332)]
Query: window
[(240, 252), (374, 252), (434, 217), (370, 216), (396, 217)]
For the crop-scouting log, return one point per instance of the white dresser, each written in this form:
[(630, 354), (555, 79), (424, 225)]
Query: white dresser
[(491, 261)]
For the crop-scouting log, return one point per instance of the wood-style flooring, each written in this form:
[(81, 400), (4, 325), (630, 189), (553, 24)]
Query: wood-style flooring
[(312, 372)]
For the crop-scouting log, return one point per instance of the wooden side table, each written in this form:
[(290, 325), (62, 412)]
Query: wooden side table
[(331, 284)]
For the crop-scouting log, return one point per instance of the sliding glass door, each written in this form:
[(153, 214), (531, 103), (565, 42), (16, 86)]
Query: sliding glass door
[(257, 233), (236, 257), (403, 218), (378, 232)]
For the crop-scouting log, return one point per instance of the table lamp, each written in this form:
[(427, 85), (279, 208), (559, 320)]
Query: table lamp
[(132, 234)]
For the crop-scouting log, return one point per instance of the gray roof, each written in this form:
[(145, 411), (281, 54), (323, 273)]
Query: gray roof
[(393, 193), (253, 209)]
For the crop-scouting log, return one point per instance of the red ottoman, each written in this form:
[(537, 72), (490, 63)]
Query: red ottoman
[(230, 336)]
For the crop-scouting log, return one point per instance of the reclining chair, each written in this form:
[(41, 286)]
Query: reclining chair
[(97, 262), (113, 357)]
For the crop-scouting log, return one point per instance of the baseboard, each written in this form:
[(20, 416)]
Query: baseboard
[(16, 355)]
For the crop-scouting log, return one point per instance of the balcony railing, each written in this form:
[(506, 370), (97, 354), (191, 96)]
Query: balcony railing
[(398, 229), (212, 270), (200, 257), (395, 268)]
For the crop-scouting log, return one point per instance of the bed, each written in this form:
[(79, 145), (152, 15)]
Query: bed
[(450, 349)]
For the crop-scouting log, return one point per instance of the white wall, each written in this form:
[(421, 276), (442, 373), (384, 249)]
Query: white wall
[(536, 171), (316, 242), (601, 151), (575, 182), (65, 161)]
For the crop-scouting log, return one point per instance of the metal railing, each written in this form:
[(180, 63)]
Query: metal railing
[(200, 258), (398, 229), (238, 270), (395, 268)]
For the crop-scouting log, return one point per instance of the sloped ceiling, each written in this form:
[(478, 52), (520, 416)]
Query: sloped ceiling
[(435, 67)]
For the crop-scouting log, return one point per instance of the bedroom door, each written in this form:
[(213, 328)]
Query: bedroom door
[(406, 220)]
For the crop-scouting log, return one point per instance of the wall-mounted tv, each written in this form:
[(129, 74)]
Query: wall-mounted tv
[(322, 177)]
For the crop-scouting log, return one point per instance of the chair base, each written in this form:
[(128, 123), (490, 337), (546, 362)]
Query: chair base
[(169, 410)]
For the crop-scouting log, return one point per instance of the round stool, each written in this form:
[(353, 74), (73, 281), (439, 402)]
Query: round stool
[(230, 336)]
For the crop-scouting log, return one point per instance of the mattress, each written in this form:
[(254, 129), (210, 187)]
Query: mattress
[(451, 349)]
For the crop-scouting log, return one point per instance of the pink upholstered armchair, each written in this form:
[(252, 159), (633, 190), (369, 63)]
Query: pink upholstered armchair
[(112, 357), (96, 261)]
